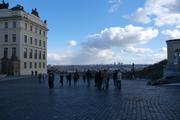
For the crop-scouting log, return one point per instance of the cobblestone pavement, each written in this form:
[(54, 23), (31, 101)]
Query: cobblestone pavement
[(29, 99)]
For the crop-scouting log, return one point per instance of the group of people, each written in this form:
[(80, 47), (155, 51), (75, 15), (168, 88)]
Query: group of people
[(69, 77), (101, 78)]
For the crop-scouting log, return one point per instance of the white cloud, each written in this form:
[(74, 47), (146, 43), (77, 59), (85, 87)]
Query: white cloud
[(72, 43), (121, 37), (59, 57), (150, 57), (107, 56), (160, 12), (115, 4), (115, 44), (84, 56), (140, 16), (138, 50), (172, 34)]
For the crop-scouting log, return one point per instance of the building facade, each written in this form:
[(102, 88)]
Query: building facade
[(23, 41), (173, 51)]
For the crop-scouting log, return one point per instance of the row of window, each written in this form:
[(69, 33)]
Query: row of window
[(6, 52), (35, 29), (35, 41), (37, 55), (177, 50), (36, 65), (27, 27), (7, 25), (6, 38)]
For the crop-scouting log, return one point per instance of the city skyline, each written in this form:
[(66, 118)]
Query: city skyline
[(107, 31)]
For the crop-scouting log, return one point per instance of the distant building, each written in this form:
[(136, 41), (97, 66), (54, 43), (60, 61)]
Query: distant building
[(23, 41), (173, 65)]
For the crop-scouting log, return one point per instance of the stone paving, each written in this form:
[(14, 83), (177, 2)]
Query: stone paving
[(29, 99)]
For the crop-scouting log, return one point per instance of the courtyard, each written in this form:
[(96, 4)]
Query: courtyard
[(30, 99)]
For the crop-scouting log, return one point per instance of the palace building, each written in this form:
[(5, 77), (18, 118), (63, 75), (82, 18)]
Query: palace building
[(173, 65), (23, 41)]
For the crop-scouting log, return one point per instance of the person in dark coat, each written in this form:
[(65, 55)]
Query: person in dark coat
[(115, 78), (51, 80), (75, 77), (39, 78), (88, 77), (61, 79), (96, 79), (84, 78), (69, 79)]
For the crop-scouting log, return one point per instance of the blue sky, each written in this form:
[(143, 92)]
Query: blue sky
[(107, 31)]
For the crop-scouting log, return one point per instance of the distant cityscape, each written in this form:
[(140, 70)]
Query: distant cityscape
[(81, 68)]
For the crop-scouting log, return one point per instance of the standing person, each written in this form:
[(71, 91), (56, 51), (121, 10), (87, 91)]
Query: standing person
[(84, 78), (104, 79), (115, 78), (76, 77), (69, 79), (39, 77), (61, 79), (119, 78), (96, 79), (88, 77), (51, 80), (99, 80), (108, 78)]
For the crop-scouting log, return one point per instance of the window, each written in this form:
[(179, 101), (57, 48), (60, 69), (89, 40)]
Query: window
[(31, 40), (25, 65), (44, 33), (44, 55), (13, 52), (39, 42), (39, 65), (25, 38), (6, 38), (5, 52), (44, 44), (14, 37), (14, 24), (31, 28), (6, 25), (40, 32), (39, 54), (25, 52), (35, 65), (30, 65), (30, 53), (26, 26), (35, 54), (35, 41), (43, 65), (36, 29)]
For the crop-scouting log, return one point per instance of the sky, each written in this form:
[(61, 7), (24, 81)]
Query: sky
[(107, 31)]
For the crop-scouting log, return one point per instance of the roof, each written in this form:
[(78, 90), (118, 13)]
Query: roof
[(173, 40)]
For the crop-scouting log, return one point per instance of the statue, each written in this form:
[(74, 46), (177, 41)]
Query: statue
[(45, 21), (4, 5), (34, 12), (17, 7)]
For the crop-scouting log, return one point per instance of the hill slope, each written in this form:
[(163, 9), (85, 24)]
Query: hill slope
[(152, 72)]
